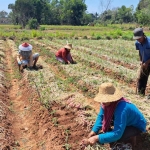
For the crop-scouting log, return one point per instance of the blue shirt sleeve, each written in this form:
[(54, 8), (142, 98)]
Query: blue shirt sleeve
[(126, 114), (136, 46), (98, 124)]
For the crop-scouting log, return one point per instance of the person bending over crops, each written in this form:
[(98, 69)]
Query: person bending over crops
[(142, 44), (25, 57), (63, 54), (118, 119)]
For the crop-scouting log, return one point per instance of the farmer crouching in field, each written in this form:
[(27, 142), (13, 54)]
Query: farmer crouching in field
[(118, 118), (142, 44), (63, 54), (25, 57)]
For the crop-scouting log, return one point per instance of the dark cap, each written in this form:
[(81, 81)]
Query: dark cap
[(138, 33)]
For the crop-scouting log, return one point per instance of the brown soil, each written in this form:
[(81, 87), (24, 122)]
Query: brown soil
[(34, 127), (31, 126)]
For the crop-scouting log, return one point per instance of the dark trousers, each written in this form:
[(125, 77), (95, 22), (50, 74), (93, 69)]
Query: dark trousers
[(142, 80), (129, 132)]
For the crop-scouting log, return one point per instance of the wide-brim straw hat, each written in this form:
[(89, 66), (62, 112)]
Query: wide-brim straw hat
[(68, 46), (25, 47), (108, 93)]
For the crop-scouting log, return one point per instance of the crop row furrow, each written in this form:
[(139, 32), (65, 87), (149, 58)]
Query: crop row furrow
[(83, 72), (118, 71), (114, 50)]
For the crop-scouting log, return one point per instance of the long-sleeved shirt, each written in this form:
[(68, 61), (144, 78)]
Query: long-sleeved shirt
[(126, 114), (62, 53), (144, 49)]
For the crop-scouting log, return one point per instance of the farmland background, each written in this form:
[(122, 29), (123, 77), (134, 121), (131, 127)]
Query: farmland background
[(103, 54)]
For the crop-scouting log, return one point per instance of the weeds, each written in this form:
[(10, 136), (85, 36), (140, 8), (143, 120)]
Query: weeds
[(55, 121), (66, 145), (53, 112)]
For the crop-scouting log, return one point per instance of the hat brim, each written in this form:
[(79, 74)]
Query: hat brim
[(28, 48), (68, 47), (136, 37), (105, 98)]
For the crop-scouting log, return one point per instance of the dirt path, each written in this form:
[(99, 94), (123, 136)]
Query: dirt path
[(21, 116), (32, 125)]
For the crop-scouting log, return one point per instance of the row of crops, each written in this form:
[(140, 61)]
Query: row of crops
[(70, 32), (103, 54), (97, 62), (93, 64)]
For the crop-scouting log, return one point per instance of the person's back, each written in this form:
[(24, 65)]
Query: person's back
[(144, 49), (118, 120), (131, 114), (60, 52), (63, 54), (25, 57)]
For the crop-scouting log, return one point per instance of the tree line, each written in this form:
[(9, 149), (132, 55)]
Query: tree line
[(71, 12)]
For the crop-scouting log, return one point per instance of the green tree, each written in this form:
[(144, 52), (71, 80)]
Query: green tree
[(48, 11), (118, 15), (88, 18), (125, 14), (143, 4), (33, 24), (56, 12), (142, 12), (142, 17), (24, 10), (42, 12), (13, 15), (72, 11), (3, 14)]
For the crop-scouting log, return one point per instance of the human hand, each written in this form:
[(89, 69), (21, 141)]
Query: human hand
[(92, 133), (73, 62), (92, 140), (141, 63), (84, 144), (66, 63), (19, 62), (145, 65)]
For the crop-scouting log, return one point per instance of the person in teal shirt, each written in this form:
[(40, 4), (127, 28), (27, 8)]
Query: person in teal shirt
[(118, 119)]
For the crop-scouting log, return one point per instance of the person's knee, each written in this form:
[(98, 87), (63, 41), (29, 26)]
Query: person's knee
[(19, 63), (23, 62), (36, 56)]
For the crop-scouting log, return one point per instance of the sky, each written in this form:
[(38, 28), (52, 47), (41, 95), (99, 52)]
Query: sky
[(95, 5), (92, 5)]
